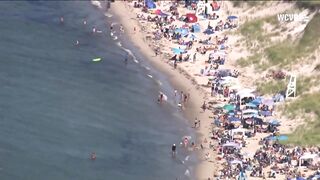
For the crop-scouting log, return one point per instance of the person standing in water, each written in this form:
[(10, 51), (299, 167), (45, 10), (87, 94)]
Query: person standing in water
[(174, 149), (126, 59)]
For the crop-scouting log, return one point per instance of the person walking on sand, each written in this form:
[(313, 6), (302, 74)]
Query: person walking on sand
[(204, 106), (195, 122), (194, 57)]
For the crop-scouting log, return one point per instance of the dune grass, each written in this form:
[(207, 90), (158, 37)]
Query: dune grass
[(307, 134), (304, 84), (254, 59), (252, 30), (288, 52), (271, 87)]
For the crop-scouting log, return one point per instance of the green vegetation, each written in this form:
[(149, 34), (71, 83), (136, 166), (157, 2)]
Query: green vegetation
[(238, 3), (271, 87), (304, 84), (288, 52), (252, 29), (307, 134), (312, 5), (254, 59)]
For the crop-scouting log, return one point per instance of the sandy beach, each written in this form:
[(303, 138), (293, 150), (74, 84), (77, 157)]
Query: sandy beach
[(191, 76)]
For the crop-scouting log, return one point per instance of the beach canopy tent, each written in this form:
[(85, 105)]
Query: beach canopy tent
[(178, 51), (231, 144), (150, 4), (308, 156), (182, 31), (191, 18), (196, 28), (245, 93)]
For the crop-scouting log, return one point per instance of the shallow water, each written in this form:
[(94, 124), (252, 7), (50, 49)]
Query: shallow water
[(57, 106)]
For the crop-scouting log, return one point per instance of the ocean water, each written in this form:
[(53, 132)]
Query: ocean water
[(57, 106)]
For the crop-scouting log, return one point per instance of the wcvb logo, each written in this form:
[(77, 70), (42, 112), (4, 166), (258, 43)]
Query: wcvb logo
[(292, 17)]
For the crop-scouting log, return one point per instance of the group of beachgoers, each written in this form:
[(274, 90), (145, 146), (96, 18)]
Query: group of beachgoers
[(242, 115)]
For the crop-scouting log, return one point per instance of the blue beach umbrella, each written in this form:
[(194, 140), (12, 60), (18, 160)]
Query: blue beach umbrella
[(233, 119), (232, 17), (251, 105), (177, 50), (256, 101), (279, 138), (274, 122)]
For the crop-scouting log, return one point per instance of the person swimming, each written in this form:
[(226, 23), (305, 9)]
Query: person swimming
[(93, 156), (61, 19), (77, 43)]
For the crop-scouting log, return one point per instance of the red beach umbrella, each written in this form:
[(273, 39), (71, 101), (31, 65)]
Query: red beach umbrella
[(191, 18), (158, 12)]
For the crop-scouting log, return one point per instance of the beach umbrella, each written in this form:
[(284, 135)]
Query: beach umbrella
[(177, 50), (265, 113), (191, 18), (279, 138), (228, 107), (251, 105), (256, 101), (157, 12), (274, 122), (232, 17), (163, 14), (233, 119)]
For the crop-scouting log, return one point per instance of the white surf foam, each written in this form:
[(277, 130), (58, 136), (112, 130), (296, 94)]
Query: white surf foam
[(108, 15), (159, 82), (119, 44), (96, 3)]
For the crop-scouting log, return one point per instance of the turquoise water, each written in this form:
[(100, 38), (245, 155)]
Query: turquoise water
[(57, 106)]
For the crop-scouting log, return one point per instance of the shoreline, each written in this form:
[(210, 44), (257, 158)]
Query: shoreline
[(178, 78)]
